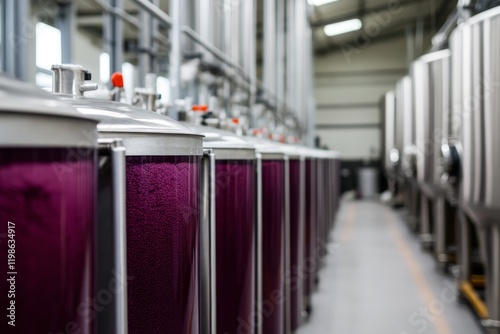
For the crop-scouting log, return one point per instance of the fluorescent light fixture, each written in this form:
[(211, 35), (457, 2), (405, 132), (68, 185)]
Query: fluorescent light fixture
[(319, 2), (340, 28)]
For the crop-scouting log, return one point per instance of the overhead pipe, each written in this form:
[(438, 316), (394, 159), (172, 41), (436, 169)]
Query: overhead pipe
[(191, 33), (156, 11), (461, 13), (122, 14)]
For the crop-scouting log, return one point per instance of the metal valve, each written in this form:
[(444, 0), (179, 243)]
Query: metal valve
[(71, 79)]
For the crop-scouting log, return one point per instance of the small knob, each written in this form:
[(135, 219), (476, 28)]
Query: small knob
[(87, 75)]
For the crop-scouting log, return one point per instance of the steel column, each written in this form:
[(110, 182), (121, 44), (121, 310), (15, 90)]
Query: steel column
[(113, 36), (145, 46), (65, 22), (280, 54), (175, 55), (15, 38), (270, 60)]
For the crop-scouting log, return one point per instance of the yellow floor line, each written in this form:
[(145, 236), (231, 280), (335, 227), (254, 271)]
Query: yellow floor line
[(473, 298), (426, 294), (348, 225)]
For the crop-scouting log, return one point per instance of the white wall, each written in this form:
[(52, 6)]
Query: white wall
[(348, 88)]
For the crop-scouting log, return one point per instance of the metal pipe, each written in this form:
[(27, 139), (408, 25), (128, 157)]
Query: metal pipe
[(113, 30), (304, 101), (175, 55), (290, 55), (156, 11), (258, 248), (205, 25), (9, 34), (280, 54), (120, 13), (145, 46), (444, 32), (212, 49), (155, 43), (235, 32), (20, 18), (120, 223), (208, 294), (65, 23), (270, 59), (117, 57), (286, 232)]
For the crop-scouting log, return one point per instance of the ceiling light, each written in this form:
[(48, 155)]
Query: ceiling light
[(343, 27), (319, 2)]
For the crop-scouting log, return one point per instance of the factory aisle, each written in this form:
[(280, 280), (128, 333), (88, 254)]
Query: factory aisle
[(377, 280)]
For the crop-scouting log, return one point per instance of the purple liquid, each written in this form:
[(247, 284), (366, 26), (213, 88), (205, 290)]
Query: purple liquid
[(235, 214), (163, 218), (49, 194), (311, 226), (273, 221), (321, 215), (297, 247)]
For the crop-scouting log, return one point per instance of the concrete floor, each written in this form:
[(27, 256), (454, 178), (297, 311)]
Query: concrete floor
[(378, 280)]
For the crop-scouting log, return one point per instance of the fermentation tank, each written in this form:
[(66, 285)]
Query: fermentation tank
[(296, 246), (48, 190), (430, 73), (235, 237), (163, 207), (405, 127), (489, 85), (432, 101), (271, 300), (479, 202), (310, 228), (390, 131), (456, 162)]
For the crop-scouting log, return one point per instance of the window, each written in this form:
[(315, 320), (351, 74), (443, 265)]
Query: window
[(48, 52), (104, 68)]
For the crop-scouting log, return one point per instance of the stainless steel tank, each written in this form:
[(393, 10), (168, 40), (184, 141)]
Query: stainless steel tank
[(272, 257), (296, 246), (390, 131), (491, 104), (48, 194), (405, 127), (476, 45), (430, 74), (311, 223), (163, 188), (235, 239), (432, 102)]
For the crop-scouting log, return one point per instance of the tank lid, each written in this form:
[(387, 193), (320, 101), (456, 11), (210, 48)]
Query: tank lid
[(71, 81), (483, 16), (270, 150), (221, 139), (434, 56), (318, 153), (118, 117), (20, 97)]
